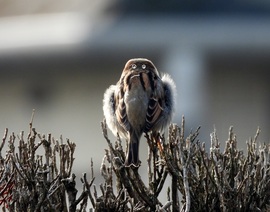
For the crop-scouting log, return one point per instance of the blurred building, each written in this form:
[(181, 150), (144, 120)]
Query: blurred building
[(58, 57)]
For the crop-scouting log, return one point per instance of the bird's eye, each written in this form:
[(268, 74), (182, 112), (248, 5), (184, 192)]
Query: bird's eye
[(143, 66), (133, 66)]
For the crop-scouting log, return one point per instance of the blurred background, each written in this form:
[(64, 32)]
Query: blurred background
[(58, 57)]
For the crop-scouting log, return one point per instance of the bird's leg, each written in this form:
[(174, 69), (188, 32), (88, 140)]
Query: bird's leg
[(157, 140)]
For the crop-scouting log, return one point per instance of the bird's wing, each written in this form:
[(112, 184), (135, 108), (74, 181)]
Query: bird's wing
[(121, 115), (154, 111)]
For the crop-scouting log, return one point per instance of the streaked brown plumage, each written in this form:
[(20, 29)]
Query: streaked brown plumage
[(140, 102)]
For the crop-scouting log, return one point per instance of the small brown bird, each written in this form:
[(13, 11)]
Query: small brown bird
[(140, 102)]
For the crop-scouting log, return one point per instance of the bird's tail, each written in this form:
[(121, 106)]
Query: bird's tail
[(132, 157)]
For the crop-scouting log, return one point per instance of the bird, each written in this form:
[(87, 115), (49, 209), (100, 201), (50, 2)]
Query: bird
[(142, 101)]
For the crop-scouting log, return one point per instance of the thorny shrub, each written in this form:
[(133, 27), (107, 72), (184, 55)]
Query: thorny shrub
[(201, 180)]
